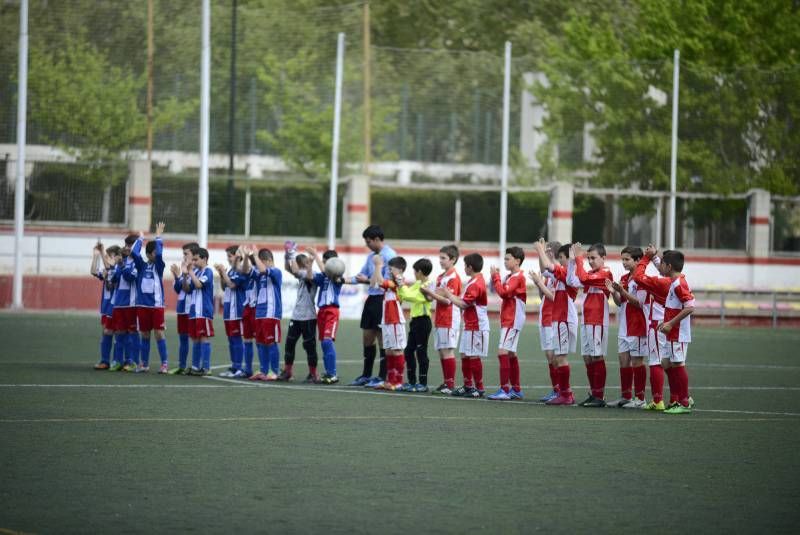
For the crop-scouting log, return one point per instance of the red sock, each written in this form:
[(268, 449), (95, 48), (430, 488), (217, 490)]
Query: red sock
[(466, 371), (639, 381), (449, 372), (514, 361), (312, 370), (505, 370), (626, 382), (600, 378), (590, 375), (553, 376), (563, 379), (287, 368), (477, 372), (390, 369), (657, 382), (673, 385), (401, 368), (683, 385)]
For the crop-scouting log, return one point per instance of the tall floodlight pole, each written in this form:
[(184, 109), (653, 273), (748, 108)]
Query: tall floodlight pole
[(205, 104), (673, 164), (504, 168), (19, 193), (231, 121), (337, 111)]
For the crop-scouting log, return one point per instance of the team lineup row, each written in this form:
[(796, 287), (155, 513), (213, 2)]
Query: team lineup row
[(653, 315)]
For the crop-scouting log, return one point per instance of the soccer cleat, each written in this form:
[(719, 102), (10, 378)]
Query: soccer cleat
[(115, 367), (142, 369), (177, 371), (375, 382), (516, 394), (585, 401), (389, 386), (653, 406), (271, 376), (101, 366), (163, 369), (130, 367), (472, 392), (595, 402), (443, 389), (194, 371), (239, 374), (635, 403), (259, 376), (361, 380), (500, 395), (408, 387), (562, 399), (205, 371), (419, 387), (284, 376), (329, 379), (617, 403), (678, 409), (311, 379), (691, 402), (547, 397), (459, 392), (228, 373)]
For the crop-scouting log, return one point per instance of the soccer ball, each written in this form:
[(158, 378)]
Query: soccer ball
[(334, 267)]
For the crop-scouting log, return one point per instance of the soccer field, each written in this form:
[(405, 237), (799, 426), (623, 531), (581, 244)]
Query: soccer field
[(87, 451)]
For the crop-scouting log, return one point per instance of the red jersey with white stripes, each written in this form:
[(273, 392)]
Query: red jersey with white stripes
[(392, 313), (514, 295), (476, 316), (657, 288), (632, 319), (595, 305), (444, 316), (679, 297), (546, 308), (567, 285)]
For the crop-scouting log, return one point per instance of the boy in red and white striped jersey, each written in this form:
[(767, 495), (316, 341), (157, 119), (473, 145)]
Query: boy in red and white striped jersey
[(632, 337), (512, 291), (393, 321), (594, 321), (447, 320), (546, 283)]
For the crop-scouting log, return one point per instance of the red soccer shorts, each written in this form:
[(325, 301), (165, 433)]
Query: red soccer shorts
[(124, 319), (107, 322), (183, 323), (327, 322), (233, 328), (268, 331), (150, 318), (201, 328), (249, 323)]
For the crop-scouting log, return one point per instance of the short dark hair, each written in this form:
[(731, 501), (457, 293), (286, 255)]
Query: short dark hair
[(330, 253), (130, 239), (150, 247), (232, 249), (635, 252), (372, 232), (674, 259), (517, 253), (599, 247), (265, 254), (191, 246), (398, 262), (475, 261), (114, 249), (424, 266), (564, 249), (202, 253), (301, 259), (451, 251)]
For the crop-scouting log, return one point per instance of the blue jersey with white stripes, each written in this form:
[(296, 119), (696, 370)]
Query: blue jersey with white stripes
[(268, 298), (202, 299), (150, 276), (180, 306), (328, 293), (124, 276), (236, 297), (107, 292)]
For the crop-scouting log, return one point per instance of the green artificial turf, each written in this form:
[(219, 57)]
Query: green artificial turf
[(87, 451)]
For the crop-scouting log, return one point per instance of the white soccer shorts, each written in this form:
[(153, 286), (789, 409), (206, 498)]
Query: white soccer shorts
[(674, 351), (394, 336), (445, 338), (565, 337), (547, 339), (474, 344), (654, 341), (594, 340), (509, 338), (637, 346)]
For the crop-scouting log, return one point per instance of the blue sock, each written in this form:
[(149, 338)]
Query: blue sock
[(144, 347), (183, 350), (274, 358), (197, 355), (248, 357), (132, 348), (263, 358), (106, 341), (237, 350), (329, 356), (119, 347), (162, 350), (206, 355)]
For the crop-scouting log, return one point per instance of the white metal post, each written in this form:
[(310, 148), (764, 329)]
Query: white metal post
[(673, 164), (337, 111), (504, 168), (19, 193), (205, 105)]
